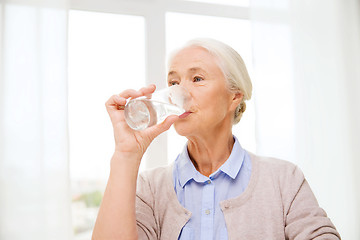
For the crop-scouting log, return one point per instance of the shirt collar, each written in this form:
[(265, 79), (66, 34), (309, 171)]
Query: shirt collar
[(233, 164), (187, 171)]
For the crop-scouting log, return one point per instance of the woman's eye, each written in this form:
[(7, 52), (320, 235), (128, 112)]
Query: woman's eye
[(173, 83), (198, 79)]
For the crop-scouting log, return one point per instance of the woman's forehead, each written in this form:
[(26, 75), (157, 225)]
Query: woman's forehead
[(193, 58), (194, 52)]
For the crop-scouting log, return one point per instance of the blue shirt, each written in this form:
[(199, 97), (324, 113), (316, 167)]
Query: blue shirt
[(201, 195)]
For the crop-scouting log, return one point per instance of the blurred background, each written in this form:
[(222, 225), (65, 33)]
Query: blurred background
[(60, 60)]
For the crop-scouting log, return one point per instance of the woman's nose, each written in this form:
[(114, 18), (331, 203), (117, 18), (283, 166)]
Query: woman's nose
[(184, 84), (187, 86)]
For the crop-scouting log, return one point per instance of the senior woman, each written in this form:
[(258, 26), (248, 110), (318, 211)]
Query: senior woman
[(215, 189)]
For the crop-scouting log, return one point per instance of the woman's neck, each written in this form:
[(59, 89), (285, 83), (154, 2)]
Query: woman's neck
[(208, 153)]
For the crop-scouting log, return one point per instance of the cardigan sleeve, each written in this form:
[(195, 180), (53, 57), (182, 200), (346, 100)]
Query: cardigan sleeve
[(304, 218), (145, 220)]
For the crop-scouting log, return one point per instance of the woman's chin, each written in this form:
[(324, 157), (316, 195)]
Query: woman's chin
[(182, 128)]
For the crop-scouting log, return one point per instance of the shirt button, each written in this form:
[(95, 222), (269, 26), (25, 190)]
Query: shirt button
[(208, 181), (207, 211)]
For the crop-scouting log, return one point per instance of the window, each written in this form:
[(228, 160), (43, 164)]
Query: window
[(106, 56)]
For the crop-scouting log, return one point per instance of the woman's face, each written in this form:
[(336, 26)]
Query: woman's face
[(213, 105)]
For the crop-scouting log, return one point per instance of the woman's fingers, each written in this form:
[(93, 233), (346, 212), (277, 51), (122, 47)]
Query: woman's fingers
[(147, 90), (156, 130), (116, 102), (142, 92)]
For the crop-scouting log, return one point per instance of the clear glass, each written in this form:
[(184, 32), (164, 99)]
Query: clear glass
[(144, 112)]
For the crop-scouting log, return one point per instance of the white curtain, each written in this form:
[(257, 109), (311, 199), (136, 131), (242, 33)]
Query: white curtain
[(307, 83), (34, 172)]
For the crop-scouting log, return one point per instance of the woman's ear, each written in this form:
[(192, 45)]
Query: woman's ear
[(237, 98)]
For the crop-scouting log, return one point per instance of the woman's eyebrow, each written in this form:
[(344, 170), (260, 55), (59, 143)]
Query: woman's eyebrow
[(171, 73), (193, 69), (196, 69)]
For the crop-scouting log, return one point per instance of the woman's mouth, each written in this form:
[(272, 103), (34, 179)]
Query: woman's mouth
[(185, 114)]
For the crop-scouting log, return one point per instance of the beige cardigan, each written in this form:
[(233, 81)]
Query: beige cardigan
[(277, 204)]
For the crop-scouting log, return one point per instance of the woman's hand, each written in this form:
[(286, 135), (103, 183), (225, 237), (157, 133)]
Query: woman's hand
[(130, 142)]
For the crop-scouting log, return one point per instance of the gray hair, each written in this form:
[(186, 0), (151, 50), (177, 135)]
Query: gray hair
[(232, 66)]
